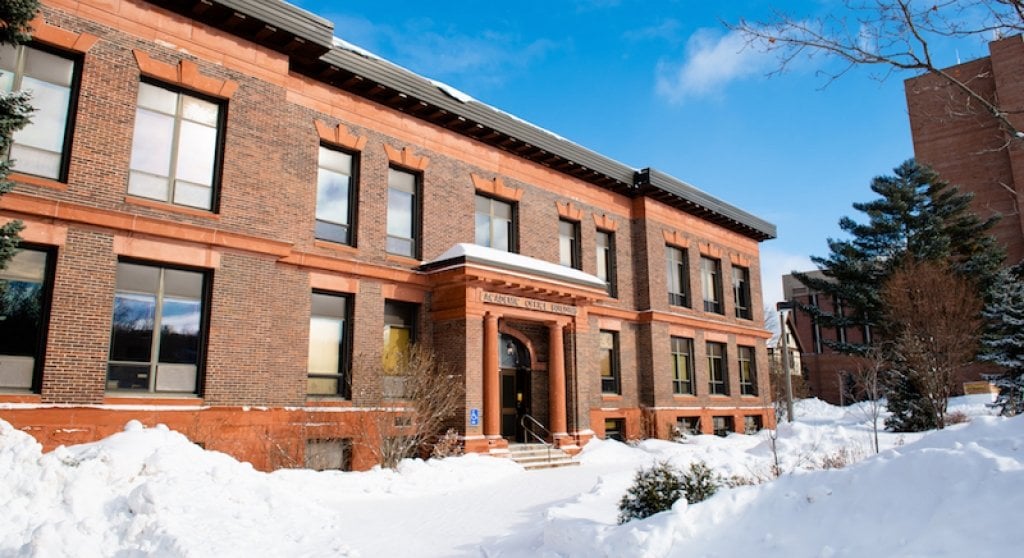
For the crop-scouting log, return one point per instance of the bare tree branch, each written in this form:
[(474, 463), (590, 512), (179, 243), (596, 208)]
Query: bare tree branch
[(897, 36)]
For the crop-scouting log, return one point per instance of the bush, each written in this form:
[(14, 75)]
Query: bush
[(700, 482), (654, 490)]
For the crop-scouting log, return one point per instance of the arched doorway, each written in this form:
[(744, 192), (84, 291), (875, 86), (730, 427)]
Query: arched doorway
[(515, 386)]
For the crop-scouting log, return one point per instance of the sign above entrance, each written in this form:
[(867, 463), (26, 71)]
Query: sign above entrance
[(528, 303)]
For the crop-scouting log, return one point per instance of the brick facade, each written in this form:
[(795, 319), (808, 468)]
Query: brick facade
[(262, 261)]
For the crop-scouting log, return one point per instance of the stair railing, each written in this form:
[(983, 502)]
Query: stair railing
[(531, 426)]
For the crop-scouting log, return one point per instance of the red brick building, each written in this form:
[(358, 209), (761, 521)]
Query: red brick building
[(966, 146), (227, 211)]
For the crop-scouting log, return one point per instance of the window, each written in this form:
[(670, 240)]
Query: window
[(403, 213), (569, 244), (678, 277), (688, 426), (325, 455), (157, 339), (25, 286), (741, 291), (748, 372), (495, 224), (615, 429), (606, 259), (335, 196), (175, 147), (328, 345), (751, 424), (721, 426), (399, 331), (41, 147), (609, 359), (682, 366), (711, 283), (718, 377)]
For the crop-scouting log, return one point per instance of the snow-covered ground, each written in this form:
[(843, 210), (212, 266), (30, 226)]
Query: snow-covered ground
[(150, 492)]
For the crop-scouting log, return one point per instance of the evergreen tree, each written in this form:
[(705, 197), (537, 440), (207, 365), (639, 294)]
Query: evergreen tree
[(15, 16), (1003, 342), (654, 490), (918, 217)]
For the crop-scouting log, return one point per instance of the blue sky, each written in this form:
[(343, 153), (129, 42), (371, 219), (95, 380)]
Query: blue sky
[(664, 84)]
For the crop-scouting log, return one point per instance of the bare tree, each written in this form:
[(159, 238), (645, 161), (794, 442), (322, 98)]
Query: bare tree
[(933, 316), (895, 36), (421, 397), (868, 388)]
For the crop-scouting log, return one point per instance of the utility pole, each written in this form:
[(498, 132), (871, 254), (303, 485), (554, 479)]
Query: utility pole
[(784, 309)]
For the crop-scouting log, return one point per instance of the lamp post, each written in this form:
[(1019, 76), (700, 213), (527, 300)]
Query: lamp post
[(784, 308)]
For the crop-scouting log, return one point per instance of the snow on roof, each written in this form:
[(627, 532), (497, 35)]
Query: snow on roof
[(517, 262), (342, 43)]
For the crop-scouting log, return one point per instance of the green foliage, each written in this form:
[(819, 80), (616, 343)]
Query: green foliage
[(1003, 341), (15, 110), (657, 488), (917, 215), (16, 15), (700, 482), (654, 490)]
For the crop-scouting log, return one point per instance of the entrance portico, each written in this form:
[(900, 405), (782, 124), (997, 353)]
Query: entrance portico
[(538, 308)]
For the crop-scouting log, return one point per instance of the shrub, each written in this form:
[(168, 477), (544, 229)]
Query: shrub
[(654, 490), (448, 445), (700, 482), (957, 417)]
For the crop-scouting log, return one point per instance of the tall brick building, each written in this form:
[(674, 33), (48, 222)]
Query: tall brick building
[(966, 146), (230, 213)]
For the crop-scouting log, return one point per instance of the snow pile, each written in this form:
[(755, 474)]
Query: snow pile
[(151, 492), (953, 493)]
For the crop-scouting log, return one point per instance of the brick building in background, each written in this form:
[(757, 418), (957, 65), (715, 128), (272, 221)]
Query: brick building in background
[(228, 210), (967, 147)]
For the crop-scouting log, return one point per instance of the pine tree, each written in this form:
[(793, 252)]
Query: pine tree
[(917, 216), (654, 490), (15, 110), (1003, 342)]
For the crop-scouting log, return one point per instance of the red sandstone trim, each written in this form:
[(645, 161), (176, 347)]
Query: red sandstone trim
[(569, 211), (186, 74), (164, 206), (496, 187), (37, 181), (53, 35), (339, 135), (406, 158)]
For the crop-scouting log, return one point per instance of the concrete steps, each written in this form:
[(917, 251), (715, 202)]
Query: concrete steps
[(539, 456)]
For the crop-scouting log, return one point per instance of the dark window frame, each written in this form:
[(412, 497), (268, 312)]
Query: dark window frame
[(417, 212), (741, 292), (77, 59), (718, 376), (575, 244), (680, 386), (611, 385), (344, 375), (216, 181), (748, 373), (678, 268), (351, 228), (722, 425), (46, 296), (714, 275), (513, 232), (611, 269), (206, 299)]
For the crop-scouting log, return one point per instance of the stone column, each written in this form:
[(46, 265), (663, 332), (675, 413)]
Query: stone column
[(556, 381), (492, 379)]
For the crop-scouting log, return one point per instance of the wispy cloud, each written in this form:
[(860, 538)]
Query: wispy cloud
[(711, 61), (667, 30), (423, 45)]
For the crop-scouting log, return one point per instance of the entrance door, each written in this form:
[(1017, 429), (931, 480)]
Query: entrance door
[(515, 402), (515, 388)]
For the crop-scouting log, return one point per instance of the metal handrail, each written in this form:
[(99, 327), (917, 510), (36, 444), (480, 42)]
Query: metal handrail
[(528, 430)]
